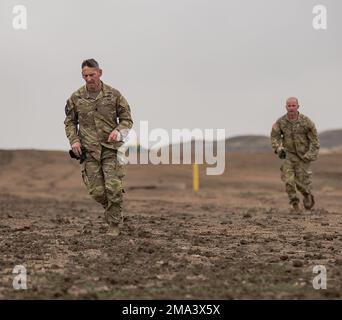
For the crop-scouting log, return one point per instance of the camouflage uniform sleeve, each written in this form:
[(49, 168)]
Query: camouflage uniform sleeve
[(71, 122), (312, 153), (276, 137), (124, 115)]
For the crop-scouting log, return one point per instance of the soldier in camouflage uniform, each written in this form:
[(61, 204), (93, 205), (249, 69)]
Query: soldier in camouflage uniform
[(294, 138), (97, 119)]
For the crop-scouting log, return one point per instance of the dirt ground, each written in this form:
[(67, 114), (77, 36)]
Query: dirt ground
[(234, 239)]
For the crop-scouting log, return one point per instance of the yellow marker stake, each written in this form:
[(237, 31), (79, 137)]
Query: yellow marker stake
[(195, 176)]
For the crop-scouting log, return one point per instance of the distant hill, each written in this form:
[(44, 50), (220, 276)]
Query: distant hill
[(248, 144), (330, 140)]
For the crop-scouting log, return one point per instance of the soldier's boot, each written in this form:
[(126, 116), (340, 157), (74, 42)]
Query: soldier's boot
[(113, 219), (295, 206), (308, 201), (113, 230)]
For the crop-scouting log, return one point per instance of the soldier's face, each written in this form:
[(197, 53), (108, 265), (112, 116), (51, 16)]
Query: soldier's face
[(92, 77), (292, 106)]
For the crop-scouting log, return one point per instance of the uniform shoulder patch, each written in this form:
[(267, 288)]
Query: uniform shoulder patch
[(275, 126)]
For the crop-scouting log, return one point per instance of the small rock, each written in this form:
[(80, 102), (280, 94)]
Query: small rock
[(298, 263), (328, 237), (23, 228), (226, 222), (284, 257), (243, 241), (58, 294)]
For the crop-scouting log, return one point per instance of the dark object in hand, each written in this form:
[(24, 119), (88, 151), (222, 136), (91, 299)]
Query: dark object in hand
[(282, 154), (82, 158)]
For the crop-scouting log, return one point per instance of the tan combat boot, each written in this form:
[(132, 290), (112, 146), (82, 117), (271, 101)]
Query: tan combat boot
[(296, 208), (113, 230), (308, 201)]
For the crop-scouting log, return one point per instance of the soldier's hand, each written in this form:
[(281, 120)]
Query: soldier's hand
[(306, 159), (114, 136), (76, 148)]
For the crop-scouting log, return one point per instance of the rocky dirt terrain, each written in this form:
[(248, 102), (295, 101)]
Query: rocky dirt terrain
[(235, 239)]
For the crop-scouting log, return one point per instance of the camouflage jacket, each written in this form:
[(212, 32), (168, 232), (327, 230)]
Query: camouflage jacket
[(299, 138), (90, 121)]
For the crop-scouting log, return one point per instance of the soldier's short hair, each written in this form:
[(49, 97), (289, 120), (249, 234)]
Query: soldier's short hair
[(292, 98), (91, 63)]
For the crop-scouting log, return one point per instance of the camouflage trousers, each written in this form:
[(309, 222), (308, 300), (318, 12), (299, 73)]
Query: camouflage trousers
[(297, 176), (103, 180)]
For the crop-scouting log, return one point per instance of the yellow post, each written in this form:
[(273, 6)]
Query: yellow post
[(195, 177)]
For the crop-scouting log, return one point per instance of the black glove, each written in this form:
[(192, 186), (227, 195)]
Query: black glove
[(82, 158), (281, 153)]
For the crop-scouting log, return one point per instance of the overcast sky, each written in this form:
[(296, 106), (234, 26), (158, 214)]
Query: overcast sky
[(180, 63)]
